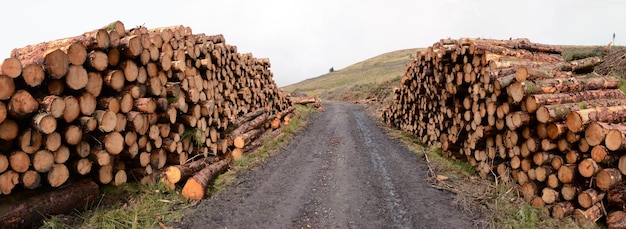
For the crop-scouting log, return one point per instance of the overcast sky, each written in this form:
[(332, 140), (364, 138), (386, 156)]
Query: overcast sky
[(303, 39)]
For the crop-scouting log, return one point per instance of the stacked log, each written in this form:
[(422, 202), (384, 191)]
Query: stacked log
[(114, 104), (517, 110)]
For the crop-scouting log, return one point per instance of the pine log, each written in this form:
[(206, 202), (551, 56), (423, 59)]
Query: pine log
[(519, 90), (611, 114), (31, 179), (589, 197), (58, 175), (549, 195), (44, 123), (30, 141), (11, 67), (31, 211), (615, 139), (107, 120), (72, 109), (53, 105), (177, 173), (590, 215), (8, 180), (595, 132), (7, 87), (608, 178), (616, 196), (53, 59), (588, 167), (42, 161), (245, 127), (533, 102), (33, 75), (616, 219), (4, 163), (242, 140), (567, 173), (8, 130), (196, 186), (562, 210), (76, 77), (569, 191), (558, 112), (22, 104)]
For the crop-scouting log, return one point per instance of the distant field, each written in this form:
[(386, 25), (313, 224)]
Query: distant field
[(376, 76)]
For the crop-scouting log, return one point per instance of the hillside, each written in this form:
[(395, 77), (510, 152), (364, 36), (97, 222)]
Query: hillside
[(375, 77), (351, 82)]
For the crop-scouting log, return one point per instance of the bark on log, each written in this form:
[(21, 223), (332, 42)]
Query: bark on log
[(590, 215), (611, 114), (519, 90), (177, 173), (589, 197), (616, 219), (32, 210), (607, 178), (195, 187)]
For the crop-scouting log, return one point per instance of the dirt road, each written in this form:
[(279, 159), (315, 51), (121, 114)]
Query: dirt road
[(339, 172)]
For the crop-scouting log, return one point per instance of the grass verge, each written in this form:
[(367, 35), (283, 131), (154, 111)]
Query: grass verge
[(493, 204), (155, 206)]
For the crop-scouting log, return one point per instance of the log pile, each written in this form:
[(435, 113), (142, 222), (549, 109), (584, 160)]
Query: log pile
[(116, 104), (312, 100), (517, 110)]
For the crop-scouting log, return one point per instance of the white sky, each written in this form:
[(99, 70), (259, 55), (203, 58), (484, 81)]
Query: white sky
[(304, 38)]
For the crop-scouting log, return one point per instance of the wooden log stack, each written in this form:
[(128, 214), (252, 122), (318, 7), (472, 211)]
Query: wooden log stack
[(116, 104), (515, 109)]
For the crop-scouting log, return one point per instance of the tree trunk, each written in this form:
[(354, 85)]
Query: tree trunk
[(22, 104), (616, 219), (611, 114), (533, 102), (608, 178), (32, 210), (589, 197), (562, 210), (197, 185), (177, 173), (519, 90), (558, 112), (590, 215)]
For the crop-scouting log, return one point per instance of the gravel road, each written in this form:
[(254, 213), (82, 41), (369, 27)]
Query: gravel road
[(341, 171)]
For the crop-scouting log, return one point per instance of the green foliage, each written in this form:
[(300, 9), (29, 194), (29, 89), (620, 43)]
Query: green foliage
[(110, 27), (622, 84), (194, 134)]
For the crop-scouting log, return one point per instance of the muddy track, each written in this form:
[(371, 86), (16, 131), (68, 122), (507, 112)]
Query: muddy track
[(341, 171)]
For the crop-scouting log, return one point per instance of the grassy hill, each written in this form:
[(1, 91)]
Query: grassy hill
[(375, 77), (349, 83)]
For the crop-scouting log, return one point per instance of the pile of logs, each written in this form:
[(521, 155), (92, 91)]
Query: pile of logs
[(517, 110), (115, 104), (311, 100)]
